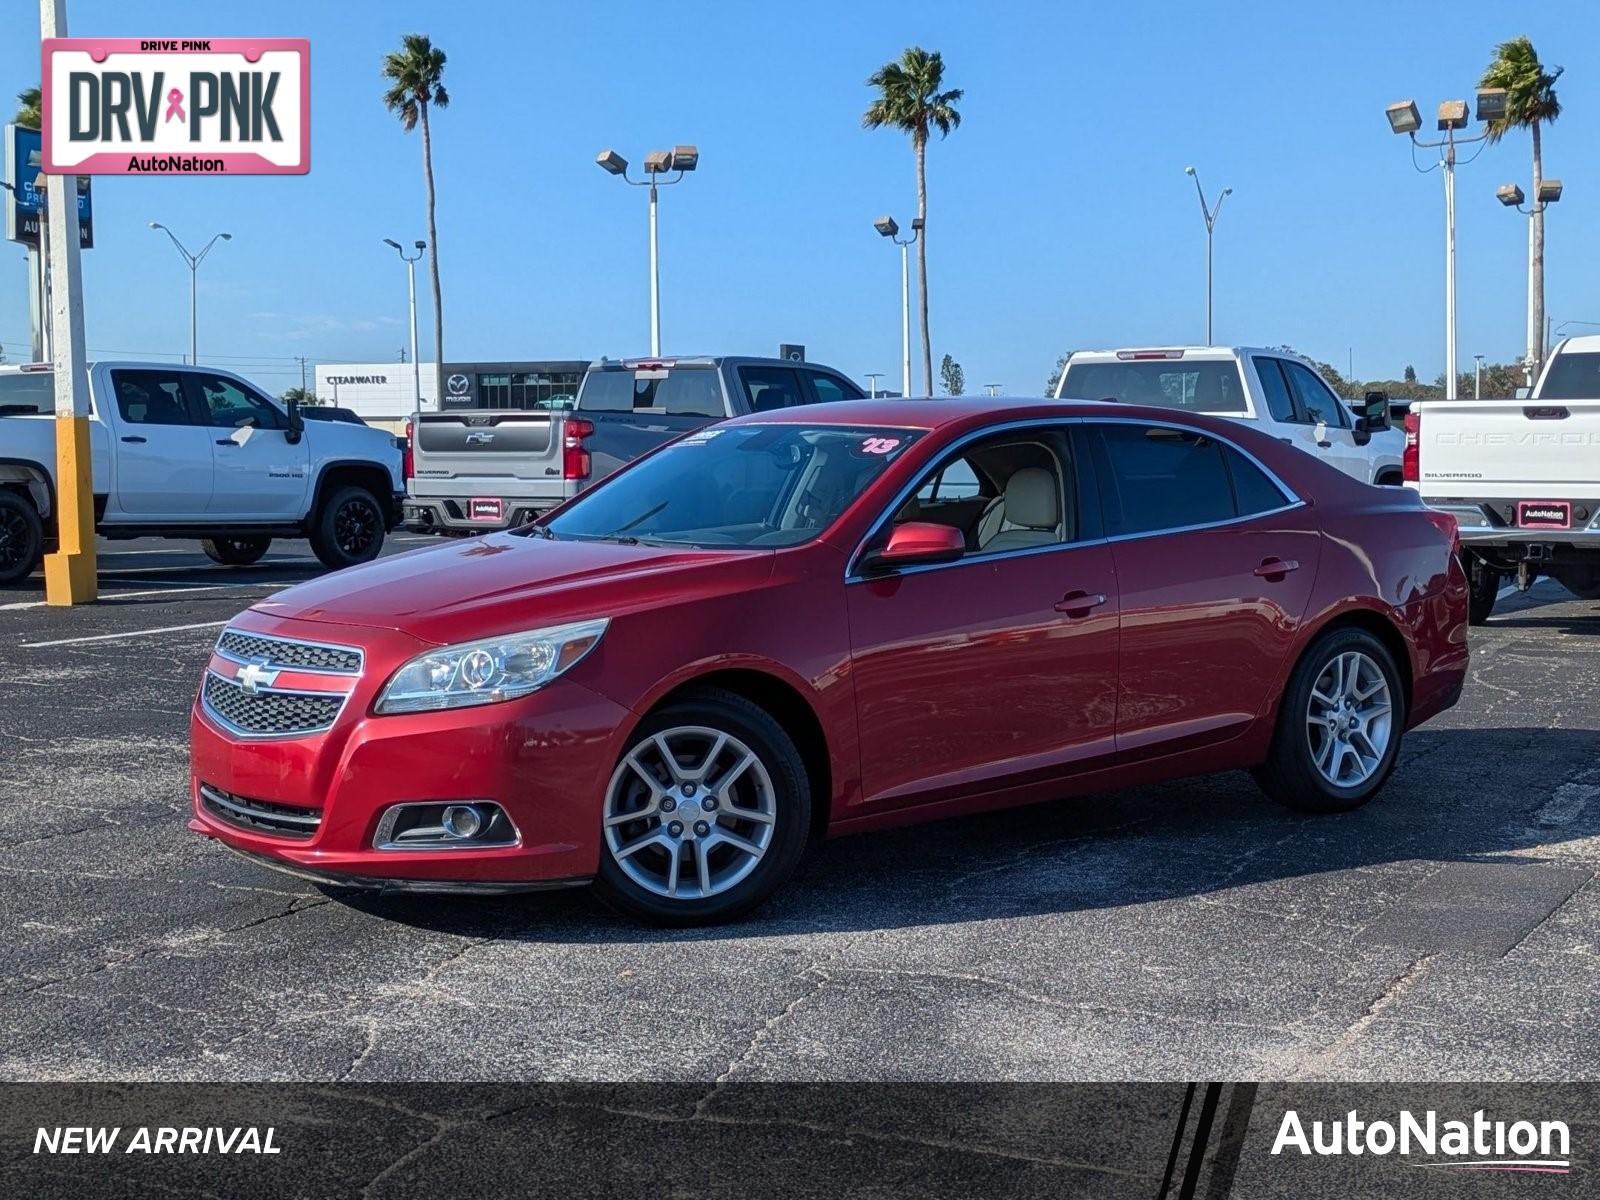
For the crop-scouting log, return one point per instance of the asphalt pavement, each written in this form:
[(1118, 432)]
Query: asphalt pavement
[(1191, 930)]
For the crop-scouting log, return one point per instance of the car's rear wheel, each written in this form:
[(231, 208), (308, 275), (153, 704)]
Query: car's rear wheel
[(1339, 726), (348, 529), (706, 814), (235, 551), (21, 538), (1483, 583)]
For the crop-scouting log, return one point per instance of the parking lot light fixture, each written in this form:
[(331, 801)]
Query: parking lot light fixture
[(676, 162), (411, 290), (1549, 191), (194, 261), (1209, 212), (888, 227), (1510, 195), (1404, 118)]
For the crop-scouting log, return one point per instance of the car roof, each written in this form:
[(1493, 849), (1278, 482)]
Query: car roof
[(939, 412), (705, 360)]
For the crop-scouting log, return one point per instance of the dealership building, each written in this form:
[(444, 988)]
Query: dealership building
[(383, 393)]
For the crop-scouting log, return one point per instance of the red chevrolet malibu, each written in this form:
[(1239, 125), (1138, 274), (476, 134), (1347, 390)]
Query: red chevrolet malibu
[(826, 620)]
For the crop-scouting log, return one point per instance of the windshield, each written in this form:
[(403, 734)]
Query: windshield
[(737, 485), (1572, 377), (1194, 386)]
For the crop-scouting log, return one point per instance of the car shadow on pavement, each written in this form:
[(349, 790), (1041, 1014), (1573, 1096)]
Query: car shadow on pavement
[(1458, 795)]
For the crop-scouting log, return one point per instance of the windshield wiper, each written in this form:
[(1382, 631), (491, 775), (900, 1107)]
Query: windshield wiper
[(539, 531), (639, 520)]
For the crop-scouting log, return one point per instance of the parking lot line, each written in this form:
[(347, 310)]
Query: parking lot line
[(113, 637), (266, 562), (169, 589)]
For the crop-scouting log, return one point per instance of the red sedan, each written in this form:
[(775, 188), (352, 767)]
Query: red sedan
[(825, 620)]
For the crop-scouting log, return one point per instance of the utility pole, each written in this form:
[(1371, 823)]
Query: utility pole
[(69, 572), (301, 359)]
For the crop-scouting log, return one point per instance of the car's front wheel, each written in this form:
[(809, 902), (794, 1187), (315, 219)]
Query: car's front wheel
[(1339, 726), (21, 537), (706, 814)]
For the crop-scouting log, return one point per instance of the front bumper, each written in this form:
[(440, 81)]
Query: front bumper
[(453, 514), (545, 759)]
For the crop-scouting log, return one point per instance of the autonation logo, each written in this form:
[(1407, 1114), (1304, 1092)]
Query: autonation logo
[(1480, 1144)]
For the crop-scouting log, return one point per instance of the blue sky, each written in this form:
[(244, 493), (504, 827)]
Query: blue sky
[(1060, 216)]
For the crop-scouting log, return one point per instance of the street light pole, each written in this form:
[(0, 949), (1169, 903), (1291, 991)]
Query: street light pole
[(680, 159), (1549, 191), (1477, 377), (1210, 215), (887, 227), (411, 288), (1404, 118), (194, 261), (872, 383)]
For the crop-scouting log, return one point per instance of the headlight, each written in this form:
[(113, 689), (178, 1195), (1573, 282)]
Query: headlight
[(489, 671)]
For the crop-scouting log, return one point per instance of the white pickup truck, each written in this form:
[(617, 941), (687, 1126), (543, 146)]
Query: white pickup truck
[(195, 452), (1521, 477), (1280, 392)]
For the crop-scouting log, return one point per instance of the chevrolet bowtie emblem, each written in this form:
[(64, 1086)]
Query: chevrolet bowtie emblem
[(480, 437), (254, 676)]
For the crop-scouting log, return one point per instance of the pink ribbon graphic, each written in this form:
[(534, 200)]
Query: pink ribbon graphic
[(175, 105)]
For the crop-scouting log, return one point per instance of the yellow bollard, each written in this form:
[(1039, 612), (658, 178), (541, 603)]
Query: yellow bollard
[(69, 573)]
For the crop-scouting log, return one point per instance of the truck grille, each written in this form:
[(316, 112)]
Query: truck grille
[(260, 816), (268, 713), (297, 656)]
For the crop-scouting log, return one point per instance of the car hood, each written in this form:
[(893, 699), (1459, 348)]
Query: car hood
[(486, 586)]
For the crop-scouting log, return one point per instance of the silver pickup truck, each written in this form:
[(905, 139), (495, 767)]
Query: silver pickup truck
[(472, 471)]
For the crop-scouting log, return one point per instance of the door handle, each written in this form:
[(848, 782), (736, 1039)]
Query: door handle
[(1326, 445), (1079, 603), (228, 441), (136, 438), (1276, 568)]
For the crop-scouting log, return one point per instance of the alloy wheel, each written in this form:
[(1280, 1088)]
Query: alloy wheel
[(354, 526), (1349, 719), (13, 540), (690, 812)]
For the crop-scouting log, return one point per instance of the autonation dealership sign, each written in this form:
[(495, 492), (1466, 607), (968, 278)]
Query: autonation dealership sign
[(164, 106)]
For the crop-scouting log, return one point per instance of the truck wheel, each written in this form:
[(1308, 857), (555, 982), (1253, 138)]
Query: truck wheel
[(21, 538), (348, 528), (1484, 582), (235, 551)]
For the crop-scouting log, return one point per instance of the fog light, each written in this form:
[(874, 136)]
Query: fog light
[(461, 821)]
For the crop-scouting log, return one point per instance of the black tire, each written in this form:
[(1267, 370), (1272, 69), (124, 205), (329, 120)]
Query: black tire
[(1390, 479), (21, 538), (235, 551), (348, 528), (1483, 583), (723, 712), (1290, 775)]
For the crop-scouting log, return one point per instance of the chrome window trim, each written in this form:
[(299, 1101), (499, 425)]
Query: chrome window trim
[(852, 574), (361, 655), (254, 735)]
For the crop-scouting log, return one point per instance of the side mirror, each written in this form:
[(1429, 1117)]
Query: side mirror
[(297, 423), (1375, 416), (916, 544)]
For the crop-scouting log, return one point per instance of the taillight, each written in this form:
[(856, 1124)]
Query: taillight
[(1410, 470), (574, 458), (407, 463)]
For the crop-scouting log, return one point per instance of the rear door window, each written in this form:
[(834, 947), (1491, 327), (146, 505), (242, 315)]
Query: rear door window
[(151, 398), (1275, 390), (1156, 477), (829, 388), (768, 389)]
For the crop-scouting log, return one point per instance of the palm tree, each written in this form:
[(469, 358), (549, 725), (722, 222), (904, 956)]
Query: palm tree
[(909, 100), (1530, 102), (28, 101), (415, 74)]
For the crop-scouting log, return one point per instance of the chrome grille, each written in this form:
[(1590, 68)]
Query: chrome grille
[(260, 816), (290, 655), (268, 713)]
